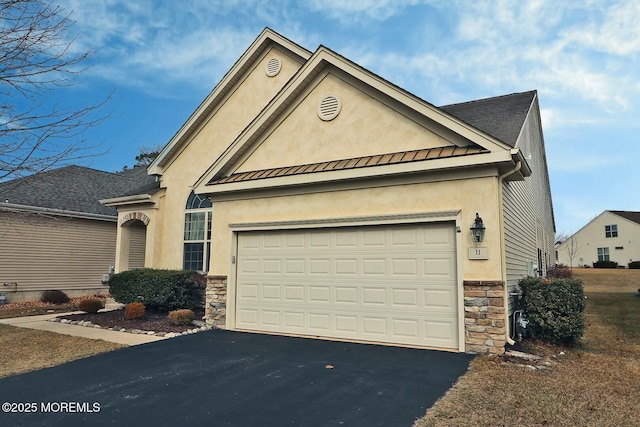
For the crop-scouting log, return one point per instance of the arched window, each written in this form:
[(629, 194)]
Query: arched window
[(197, 233)]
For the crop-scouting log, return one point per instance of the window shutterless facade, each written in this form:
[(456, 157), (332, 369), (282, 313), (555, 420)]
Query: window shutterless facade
[(603, 254), (611, 230), (197, 233)]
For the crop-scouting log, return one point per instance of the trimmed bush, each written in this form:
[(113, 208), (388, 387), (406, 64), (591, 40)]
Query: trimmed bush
[(91, 305), (554, 309), (182, 317), (134, 310), (159, 290), (54, 297), (605, 264), (634, 264)]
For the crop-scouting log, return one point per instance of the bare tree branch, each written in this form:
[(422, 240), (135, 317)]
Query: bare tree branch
[(37, 61)]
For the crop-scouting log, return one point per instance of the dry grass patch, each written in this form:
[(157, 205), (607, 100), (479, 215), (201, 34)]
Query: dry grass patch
[(578, 389), (595, 383), (24, 350), (609, 280)]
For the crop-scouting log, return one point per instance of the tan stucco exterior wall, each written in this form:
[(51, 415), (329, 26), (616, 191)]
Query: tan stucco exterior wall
[(365, 126), (469, 196), (232, 116)]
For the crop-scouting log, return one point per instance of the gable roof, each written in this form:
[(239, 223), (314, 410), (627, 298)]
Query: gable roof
[(73, 190), (264, 41), (451, 127), (630, 215), (501, 117)]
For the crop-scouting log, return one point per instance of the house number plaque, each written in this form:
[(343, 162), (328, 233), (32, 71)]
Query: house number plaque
[(480, 252)]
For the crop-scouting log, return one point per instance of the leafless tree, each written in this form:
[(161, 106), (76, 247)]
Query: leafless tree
[(571, 245), (37, 61)]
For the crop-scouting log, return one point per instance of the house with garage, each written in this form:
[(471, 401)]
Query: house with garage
[(55, 233), (324, 201), (611, 236)]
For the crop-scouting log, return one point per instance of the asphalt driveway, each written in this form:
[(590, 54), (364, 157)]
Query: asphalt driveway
[(222, 378)]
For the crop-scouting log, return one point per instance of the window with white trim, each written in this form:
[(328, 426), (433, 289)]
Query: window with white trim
[(611, 230), (603, 254), (197, 233)]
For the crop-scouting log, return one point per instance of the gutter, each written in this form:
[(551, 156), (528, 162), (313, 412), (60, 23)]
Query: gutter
[(501, 179)]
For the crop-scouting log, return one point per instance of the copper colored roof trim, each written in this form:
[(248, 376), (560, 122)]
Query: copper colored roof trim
[(354, 163)]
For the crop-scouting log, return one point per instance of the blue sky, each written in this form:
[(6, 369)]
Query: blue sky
[(161, 58)]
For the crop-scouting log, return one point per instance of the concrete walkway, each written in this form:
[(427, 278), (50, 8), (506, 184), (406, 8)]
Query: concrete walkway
[(43, 323)]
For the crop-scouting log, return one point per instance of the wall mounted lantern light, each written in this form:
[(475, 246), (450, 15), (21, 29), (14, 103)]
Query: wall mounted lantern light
[(477, 229)]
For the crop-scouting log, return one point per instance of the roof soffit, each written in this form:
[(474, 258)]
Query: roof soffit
[(324, 61), (265, 41)]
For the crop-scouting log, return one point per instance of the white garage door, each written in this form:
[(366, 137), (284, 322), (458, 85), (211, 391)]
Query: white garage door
[(390, 284)]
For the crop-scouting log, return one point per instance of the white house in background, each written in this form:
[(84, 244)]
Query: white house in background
[(611, 236)]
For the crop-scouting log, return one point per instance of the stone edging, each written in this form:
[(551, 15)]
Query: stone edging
[(88, 324)]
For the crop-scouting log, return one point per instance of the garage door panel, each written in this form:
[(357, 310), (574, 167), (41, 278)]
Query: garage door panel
[(375, 297), (385, 284), (320, 266), (404, 267), (444, 299), (294, 266), (374, 266), (345, 295)]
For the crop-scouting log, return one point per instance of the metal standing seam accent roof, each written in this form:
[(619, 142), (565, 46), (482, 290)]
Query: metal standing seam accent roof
[(353, 163)]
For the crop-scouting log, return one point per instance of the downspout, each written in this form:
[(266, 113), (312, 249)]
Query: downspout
[(502, 243)]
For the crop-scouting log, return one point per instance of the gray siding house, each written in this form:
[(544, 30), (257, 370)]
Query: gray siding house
[(55, 234)]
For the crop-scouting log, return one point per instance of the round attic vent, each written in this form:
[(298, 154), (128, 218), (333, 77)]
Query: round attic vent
[(329, 107), (273, 67)]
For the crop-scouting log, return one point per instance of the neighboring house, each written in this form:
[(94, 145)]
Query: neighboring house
[(611, 236), (55, 234), (325, 201)]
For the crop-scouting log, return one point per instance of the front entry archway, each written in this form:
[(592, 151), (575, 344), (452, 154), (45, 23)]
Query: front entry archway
[(132, 241)]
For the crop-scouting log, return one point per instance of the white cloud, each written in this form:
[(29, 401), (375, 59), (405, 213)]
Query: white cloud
[(378, 10), (615, 29)]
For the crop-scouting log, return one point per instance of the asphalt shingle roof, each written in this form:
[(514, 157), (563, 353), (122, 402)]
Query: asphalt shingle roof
[(501, 117), (76, 189), (630, 215)]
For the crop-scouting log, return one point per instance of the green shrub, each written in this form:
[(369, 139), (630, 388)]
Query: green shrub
[(134, 310), (634, 264), (160, 290), (54, 297), (182, 317), (605, 264), (91, 305), (554, 309)]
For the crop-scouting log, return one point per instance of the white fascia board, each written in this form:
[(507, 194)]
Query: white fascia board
[(127, 200), (320, 59), (229, 79), (404, 97)]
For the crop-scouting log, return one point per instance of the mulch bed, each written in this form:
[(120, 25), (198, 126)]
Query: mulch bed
[(152, 321)]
